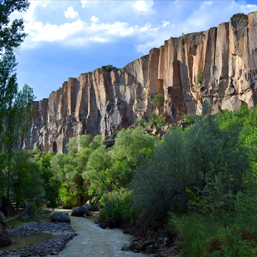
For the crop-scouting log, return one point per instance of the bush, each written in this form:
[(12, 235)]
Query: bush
[(198, 79), (141, 121), (202, 235), (117, 206), (158, 100), (160, 120), (109, 67)]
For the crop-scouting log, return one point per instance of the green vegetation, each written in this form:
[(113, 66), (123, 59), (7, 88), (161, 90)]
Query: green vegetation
[(109, 67), (141, 122), (159, 120), (183, 38), (198, 183), (12, 104), (198, 79), (158, 100)]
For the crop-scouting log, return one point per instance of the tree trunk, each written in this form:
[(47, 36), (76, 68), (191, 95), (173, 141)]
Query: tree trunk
[(8, 189), (8, 185)]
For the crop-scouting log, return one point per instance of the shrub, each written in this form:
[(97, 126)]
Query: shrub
[(117, 206), (158, 100), (160, 120), (141, 121), (109, 67), (202, 235), (198, 79)]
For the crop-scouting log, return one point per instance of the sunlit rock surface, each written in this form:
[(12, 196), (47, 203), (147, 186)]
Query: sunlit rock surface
[(101, 102)]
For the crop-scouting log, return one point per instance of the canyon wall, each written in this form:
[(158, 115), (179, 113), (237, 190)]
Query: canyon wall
[(218, 65)]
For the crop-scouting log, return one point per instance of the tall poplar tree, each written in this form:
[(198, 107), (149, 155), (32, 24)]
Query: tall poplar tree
[(11, 36), (25, 112)]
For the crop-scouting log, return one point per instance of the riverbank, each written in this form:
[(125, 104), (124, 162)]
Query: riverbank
[(62, 234)]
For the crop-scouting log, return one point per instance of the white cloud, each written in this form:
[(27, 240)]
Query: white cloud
[(29, 15), (70, 13), (206, 3), (98, 39), (248, 8), (143, 5), (80, 32), (144, 48), (94, 19), (165, 23), (84, 3), (40, 32)]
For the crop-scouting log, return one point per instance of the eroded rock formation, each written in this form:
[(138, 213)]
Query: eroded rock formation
[(218, 65)]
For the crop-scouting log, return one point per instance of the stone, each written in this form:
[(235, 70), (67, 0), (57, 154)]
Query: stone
[(135, 247), (60, 217), (146, 244), (80, 212), (103, 102), (4, 239), (91, 207), (125, 248)]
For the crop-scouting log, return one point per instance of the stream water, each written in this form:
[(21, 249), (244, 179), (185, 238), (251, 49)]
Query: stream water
[(95, 241), (90, 241)]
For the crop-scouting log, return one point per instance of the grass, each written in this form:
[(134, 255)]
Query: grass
[(200, 235), (18, 222)]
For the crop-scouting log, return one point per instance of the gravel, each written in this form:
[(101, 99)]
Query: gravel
[(62, 231)]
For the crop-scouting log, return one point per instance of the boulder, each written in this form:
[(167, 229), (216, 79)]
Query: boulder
[(91, 207), (4, 239), (80, 212), (60, 217)]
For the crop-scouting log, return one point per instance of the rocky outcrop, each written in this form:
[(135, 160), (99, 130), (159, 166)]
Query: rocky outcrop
[(218, 65)]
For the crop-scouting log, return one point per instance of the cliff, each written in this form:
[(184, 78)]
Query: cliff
[(218, 65)]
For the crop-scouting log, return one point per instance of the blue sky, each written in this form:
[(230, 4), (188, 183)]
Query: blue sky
[(67, 38)]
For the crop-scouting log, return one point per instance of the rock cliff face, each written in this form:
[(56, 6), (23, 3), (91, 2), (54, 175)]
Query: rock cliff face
[(218, 65)]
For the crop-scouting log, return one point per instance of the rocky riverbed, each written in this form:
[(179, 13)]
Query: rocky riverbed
[(62, 231)]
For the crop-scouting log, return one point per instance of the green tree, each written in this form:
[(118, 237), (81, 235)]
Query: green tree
[(25, 178), (107, 172), (25, 112), (69, 169), (131, 149), (11, 33), (50, 184), (72, 147), (204, 157), (8, 82), (96, 173), (11, 36)]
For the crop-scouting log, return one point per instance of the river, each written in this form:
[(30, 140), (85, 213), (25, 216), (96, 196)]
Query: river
[(95, 241)]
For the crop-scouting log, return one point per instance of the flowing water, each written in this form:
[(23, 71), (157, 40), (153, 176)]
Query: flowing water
[(90, 241), (95, 241)]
